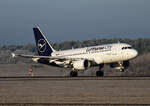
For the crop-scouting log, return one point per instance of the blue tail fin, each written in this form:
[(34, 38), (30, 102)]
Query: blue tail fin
[(43, 46)]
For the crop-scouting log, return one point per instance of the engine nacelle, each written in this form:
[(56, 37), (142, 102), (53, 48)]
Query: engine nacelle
[(114, 65), (81, 64), (125, 64)]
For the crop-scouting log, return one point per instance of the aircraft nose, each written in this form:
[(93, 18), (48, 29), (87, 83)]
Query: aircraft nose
[(135, 53)]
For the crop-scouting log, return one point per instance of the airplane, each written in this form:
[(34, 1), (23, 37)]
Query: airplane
[(117, 55)]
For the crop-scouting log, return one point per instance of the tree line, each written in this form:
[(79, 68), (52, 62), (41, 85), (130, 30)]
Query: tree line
[(142, 45)]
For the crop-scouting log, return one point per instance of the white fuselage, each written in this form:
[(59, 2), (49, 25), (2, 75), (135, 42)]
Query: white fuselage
[(101, 54)]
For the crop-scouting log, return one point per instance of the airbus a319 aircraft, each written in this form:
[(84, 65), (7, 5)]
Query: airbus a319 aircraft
[(116, 55)]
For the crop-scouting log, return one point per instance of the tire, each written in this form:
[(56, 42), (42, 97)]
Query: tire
[(99, 73), (73, 74), (122, 70)]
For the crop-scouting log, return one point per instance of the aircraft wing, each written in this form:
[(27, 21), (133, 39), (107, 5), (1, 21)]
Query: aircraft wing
[(56, 58)]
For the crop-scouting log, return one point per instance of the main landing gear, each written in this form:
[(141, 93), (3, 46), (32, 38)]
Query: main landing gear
[(100, 73), (122, 70), (73, 74)]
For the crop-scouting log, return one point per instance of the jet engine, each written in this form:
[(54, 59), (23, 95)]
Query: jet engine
[(124, 64), (81, 64)]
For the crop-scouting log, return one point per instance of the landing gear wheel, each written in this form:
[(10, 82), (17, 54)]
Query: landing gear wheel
[(73, 74), (122, 70), (99, 73)]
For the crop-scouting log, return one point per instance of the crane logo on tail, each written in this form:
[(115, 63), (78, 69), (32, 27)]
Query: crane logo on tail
[(41, 45)]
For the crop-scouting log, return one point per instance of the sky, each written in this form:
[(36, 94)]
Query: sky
[(63, 20)]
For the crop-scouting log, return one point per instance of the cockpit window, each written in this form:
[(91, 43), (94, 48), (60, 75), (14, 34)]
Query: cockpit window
[(127, 47)]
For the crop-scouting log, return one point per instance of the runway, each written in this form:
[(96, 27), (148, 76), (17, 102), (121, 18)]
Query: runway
[(61, 78), (74, 91), (67, 104)]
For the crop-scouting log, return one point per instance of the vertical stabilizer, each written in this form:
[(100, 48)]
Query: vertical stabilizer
[(43, 46)]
